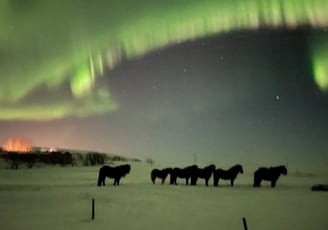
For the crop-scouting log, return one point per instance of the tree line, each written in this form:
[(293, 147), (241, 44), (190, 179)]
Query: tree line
[(30, 159)]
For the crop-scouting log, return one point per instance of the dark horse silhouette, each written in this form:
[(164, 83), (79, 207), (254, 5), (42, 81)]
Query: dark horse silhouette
[(162, 174), (269, 174), (320, 187), (229, 174), (204, 173), (186, 173), (112, 172)]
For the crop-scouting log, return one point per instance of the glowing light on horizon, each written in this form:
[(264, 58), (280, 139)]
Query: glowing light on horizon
[(17, 145)]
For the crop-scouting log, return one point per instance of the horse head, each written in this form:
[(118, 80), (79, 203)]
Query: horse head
[(236, 168), (211, 167), (283, 170), (125, 169), (239, 168)]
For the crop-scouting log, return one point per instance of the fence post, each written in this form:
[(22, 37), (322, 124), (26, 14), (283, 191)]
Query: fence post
[(245, 223), (93, 208)]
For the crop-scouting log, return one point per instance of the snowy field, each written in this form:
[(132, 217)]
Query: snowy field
[(61, 197)]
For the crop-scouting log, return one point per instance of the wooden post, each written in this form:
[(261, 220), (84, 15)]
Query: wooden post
[(93, 208), (245, 224)]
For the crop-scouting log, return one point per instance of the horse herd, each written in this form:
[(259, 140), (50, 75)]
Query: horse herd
[(193, 173)]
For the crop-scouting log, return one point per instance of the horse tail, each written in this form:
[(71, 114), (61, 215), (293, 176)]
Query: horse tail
[(152, 176), (258, 176)]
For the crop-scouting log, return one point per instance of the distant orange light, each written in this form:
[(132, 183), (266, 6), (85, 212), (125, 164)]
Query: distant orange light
[(17, 145)]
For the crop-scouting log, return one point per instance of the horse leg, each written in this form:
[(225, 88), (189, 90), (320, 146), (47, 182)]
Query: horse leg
[(257, 181), (193, 180), (153, 178), (174, 180), (215, 180), (231, 182), (273, 183), (187, 180), (102, 180), (206, 181)]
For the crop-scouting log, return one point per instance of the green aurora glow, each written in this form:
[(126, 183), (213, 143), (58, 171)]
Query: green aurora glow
[(47, 43), (320, 61)]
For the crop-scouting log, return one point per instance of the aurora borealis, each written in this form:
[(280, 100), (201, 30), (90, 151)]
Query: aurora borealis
[(167, 78), (47, 43)]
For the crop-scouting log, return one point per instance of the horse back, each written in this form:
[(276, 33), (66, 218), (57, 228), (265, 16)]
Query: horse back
[(223, 174), (206, 172)]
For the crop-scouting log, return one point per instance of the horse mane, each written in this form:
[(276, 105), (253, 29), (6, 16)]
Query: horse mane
[(191, 167), (168, 170), (123, 169), (263, 168), (236, 166), (281, 168), (211, 166)]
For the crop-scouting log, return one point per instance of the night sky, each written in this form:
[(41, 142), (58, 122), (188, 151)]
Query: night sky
[(255, 95)]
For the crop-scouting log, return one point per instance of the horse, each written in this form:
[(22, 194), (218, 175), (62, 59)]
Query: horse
[(320, 187), (186, 173), (113, 172), (162, 174), (269, 174), (204, 173), (229, 174)]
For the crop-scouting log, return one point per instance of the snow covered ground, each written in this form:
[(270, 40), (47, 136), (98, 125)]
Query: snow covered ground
[(61, 197)]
